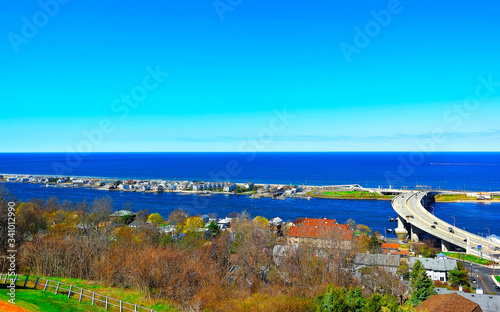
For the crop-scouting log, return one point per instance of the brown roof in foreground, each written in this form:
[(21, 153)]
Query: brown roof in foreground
[(448, 303), (320, 228)]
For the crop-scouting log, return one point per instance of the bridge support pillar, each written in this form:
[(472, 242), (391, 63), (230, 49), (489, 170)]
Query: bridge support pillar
[(468, 249), (414, 233), (445, 246)]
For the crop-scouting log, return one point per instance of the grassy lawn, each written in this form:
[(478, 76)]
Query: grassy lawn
[(352, 195), (497, 278), (126, 295), (456, 197), (37, 300), (470, 258)]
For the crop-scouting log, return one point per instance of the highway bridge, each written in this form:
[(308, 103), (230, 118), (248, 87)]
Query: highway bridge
[(414, 221)]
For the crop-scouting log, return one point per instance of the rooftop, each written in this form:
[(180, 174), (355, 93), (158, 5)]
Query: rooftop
[(448, 303), (320, 228), (377, 260), (435, 264), (488, 303)]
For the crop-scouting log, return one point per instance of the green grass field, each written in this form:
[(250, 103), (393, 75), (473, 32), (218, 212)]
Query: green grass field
[(457, 197), (353, 195), (126, 295), (470, 258), (37, 300)]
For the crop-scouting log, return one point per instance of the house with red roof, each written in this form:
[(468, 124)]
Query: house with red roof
[(319, 233)]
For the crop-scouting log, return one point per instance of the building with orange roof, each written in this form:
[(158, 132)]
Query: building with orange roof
[(448, 303), (319, 233)]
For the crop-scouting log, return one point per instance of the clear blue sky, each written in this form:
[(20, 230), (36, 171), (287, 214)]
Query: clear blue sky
[(232, 66)]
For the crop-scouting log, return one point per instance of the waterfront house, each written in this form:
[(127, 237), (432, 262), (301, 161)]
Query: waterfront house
[(205, 218), (229, 187), (275, 221), (224, 223), (319, 233), (248, 185), (12, 179), (121, 213), (437, 269), (168, 229)]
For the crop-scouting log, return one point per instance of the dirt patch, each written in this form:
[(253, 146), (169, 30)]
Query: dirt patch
[(7, 307)]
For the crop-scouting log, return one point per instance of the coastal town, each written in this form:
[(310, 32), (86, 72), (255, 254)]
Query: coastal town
[(278, 191)]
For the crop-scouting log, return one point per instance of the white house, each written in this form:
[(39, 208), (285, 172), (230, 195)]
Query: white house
[(249, 185), (275, 221), (224, 223), (229, 187), (437, 269)]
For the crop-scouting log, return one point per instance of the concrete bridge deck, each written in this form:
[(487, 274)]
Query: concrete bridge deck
[(415, 219)]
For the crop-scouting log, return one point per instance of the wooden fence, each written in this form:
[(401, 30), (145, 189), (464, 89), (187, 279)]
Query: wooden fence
[(71, 291)]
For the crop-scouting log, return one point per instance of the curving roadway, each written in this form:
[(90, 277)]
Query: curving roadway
[(412, 213)]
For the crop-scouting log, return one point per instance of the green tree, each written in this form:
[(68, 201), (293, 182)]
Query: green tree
[(459, 277), (373, 245), (155, 218), (374, 303), (421, 285), (126, 219), (214, 229), (340, 300)]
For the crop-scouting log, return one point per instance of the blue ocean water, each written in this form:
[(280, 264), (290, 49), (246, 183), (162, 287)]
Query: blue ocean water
[(472, 171), (375, 214)]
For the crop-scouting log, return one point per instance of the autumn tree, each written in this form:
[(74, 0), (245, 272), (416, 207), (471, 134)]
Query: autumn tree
[(261, 221), (142, 215), (193, 224), (178, 216), (155, 218), (97, 221), (29, 219), (363, 229)]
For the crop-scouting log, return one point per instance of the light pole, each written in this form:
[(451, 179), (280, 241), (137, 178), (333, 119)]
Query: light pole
[(453, 221), (489, 249), (471, 271)]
